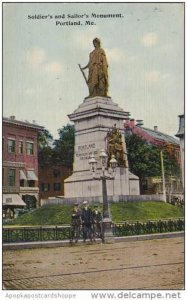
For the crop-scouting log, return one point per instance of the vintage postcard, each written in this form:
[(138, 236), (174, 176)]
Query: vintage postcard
[(93, 149)]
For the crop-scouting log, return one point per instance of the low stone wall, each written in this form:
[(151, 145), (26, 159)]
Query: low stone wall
[(126, 198), (154, 197)]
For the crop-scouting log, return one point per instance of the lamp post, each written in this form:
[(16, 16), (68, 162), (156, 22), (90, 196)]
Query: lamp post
[(107, 221)]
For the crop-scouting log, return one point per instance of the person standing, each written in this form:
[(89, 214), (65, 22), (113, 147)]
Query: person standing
[(87, 221), (98, 71), (75, 223), (97, 229)]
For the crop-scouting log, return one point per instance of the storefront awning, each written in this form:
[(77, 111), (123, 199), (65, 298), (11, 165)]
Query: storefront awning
[(31, 175), (13, 200), (22, 175)]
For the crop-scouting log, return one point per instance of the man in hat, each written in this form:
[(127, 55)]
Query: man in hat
[(87, 221), (75, 223), (97, 227)]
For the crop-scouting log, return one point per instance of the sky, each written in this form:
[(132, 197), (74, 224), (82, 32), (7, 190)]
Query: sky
[(144, 49)]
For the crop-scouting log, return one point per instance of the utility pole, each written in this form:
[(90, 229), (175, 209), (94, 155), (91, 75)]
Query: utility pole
[(163, 176)]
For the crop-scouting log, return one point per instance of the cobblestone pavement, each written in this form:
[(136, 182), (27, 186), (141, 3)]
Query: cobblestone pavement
[(151, 264)]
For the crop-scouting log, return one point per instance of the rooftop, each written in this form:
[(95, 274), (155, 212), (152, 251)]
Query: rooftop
[(152, 135), (161, 136), (12, 120)]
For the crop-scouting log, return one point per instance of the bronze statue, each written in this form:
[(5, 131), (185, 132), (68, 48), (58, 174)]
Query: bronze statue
[(98, 71), (115, 147)]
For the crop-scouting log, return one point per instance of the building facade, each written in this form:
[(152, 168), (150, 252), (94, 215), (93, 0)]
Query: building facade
[(20, 165), (153, 185), (51, 180)]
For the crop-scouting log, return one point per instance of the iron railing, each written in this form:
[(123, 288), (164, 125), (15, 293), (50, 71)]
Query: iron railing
[(138, 228), (34, 234), (57, 233)]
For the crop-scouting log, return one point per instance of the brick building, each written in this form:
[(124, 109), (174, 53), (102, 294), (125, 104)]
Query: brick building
[(160, 139), (153, 136), (51, 180), (20, 165)]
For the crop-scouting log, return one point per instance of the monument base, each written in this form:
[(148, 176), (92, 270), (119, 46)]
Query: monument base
[(82, 186), (93, 119)]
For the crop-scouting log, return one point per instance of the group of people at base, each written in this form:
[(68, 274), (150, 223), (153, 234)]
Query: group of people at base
[(85, 222)]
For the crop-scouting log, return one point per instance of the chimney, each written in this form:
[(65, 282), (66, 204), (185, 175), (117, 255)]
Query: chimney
[(139, 123), (155, 128), (12, 117)]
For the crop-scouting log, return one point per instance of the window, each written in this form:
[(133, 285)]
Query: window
[(45, 187), (22, 182), (20, 147), (11, 146), (57, 186), (12, 177), (30, 148), (56, 172), (31, 183)]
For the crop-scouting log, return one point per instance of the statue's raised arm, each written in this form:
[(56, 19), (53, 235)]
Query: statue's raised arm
[(98, 71)]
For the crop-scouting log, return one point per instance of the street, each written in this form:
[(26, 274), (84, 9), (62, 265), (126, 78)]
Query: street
[(150, 264)]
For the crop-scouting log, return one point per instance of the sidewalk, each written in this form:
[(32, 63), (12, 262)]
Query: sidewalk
[(144, 264)]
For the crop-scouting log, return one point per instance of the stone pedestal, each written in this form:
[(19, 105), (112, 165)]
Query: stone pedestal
[(93, 118), (108, 237)]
